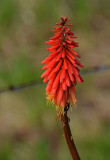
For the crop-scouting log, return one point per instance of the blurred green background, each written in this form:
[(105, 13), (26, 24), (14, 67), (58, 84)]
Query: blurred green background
[(28, 127)]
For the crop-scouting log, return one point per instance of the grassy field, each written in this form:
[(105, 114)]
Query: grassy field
[(28, 126)]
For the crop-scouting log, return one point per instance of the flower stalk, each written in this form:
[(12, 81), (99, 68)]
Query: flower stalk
[(68, 135)]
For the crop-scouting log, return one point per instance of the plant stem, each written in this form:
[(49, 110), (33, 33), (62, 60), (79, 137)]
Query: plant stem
[(68, 135)]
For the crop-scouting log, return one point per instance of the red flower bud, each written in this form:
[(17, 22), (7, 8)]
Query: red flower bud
[(62, 71)]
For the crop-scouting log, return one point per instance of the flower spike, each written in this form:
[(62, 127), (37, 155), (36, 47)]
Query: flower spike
[(62, 72)]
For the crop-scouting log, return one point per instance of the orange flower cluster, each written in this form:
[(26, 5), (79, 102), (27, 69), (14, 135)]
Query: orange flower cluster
[(62, 72)]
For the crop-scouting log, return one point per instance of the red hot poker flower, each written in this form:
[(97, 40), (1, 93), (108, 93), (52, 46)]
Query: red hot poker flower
[(62, 72)]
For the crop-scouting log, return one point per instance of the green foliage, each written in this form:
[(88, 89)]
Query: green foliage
[(43, 147), (8, 10), (97, 147), (47, 11), (5, 151), (22, 71), (82, 12)]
